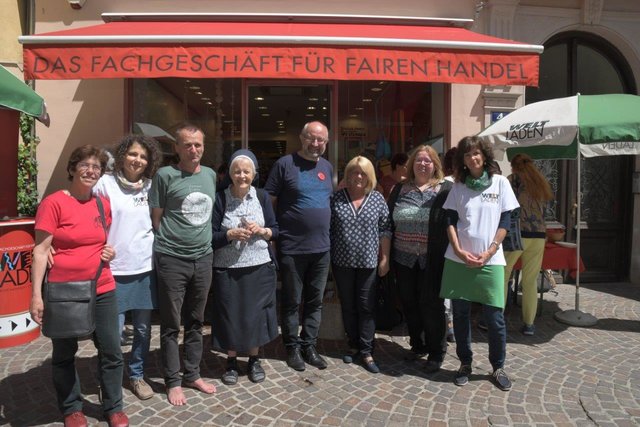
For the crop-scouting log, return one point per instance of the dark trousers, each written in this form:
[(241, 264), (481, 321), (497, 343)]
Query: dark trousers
[(357, 290), (304, 277), (423, 310), (182, 282), (106, 338), (497, 332)]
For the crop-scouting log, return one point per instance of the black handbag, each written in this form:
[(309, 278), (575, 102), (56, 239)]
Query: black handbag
[(513, 239), (70, 307)]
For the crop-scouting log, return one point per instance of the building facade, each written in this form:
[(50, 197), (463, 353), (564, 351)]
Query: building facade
[(389, 103)]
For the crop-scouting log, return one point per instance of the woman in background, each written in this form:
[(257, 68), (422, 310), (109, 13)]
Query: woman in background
[(533, 192), (136, 160)]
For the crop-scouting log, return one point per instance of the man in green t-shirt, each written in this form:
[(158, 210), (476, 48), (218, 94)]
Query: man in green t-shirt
[(181, 200)]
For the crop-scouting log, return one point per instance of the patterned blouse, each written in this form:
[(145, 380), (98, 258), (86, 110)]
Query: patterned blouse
[(355, 235), (411, 225), (238, 254)]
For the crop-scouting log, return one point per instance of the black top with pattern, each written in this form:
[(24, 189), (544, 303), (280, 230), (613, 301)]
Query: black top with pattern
[(355, 235)]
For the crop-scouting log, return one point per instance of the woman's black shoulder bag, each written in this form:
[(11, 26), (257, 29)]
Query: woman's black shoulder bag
[(69, 307)]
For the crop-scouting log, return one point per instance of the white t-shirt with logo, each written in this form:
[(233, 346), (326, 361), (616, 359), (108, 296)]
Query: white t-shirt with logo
[(131, 232), (479, 216)]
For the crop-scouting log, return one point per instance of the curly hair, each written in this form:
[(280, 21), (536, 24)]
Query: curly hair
[(154, 154), (467, 144), (83, 153), (438, 173), (534, 182)]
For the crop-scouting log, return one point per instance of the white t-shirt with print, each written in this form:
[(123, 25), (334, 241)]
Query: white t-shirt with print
[(479, 216), (131, 232)]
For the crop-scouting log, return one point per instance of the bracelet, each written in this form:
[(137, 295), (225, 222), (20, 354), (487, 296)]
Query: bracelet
[(497, 245)]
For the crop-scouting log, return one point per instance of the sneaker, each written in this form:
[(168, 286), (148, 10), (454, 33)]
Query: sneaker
[(462, 376), (528, 330), (482, 325), (230, 375), (256, 372), (501, 379), (141, 389)]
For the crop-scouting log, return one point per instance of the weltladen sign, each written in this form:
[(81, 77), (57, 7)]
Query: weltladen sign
[(288, 62)]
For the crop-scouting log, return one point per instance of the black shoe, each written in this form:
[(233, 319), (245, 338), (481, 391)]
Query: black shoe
[(501, 379), (294, 358), (432, 366), (416, 353), (230, 376), (312, 357), (256, 373), (462, 376)]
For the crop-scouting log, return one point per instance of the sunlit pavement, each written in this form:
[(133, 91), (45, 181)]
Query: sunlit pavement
[(561, 376)]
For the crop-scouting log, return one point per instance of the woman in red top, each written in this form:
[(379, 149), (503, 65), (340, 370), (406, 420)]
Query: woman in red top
[(69, 221)]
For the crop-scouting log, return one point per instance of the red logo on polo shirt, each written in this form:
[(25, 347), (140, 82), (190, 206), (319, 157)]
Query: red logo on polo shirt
[(321, 176)]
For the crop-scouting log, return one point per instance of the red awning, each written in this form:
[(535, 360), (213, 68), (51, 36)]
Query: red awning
[(291, 50)]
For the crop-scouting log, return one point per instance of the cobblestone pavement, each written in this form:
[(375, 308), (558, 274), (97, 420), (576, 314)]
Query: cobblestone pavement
[(561, 376)]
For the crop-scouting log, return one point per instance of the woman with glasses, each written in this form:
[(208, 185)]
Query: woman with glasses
[(137, 158), (70, 221), (419, 242)]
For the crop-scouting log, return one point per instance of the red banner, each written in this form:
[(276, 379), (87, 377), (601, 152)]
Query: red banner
[(290, 62)]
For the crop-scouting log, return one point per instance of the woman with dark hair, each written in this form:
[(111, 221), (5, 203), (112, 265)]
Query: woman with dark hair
[(70, 221), (533, 192), (418, 245), (136, 160), (479, 209), (398, 173)]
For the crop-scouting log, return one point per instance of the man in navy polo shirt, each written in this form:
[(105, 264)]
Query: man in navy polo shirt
[(301, 185)]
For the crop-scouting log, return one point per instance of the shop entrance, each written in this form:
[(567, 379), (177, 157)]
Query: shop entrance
[(276, 114)]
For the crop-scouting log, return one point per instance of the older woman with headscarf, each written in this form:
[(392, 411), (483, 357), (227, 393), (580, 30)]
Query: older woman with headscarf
[(244, 275)]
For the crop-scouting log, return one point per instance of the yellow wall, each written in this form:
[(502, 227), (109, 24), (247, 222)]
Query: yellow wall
[(10, 29)]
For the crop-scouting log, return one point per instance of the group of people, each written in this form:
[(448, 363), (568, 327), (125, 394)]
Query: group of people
[(176, 235)]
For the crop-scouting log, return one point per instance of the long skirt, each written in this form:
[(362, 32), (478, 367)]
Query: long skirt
[(244, 307)]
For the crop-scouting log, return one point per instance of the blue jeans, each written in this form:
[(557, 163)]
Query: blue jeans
[(106, 339), (141, 320), (494, 319), (303, 277)]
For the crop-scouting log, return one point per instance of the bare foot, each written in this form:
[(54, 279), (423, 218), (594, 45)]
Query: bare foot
[(201, 385), (176, 396)]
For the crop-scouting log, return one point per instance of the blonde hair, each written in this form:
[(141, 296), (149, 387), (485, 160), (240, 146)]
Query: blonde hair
[(438, 173), (535, 183), (367, 167)]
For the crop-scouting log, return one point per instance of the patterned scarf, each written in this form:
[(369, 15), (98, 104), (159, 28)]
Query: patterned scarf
[(478, 184), (127, 185)]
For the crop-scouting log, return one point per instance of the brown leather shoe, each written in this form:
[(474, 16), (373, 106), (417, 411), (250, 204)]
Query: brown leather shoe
[(75, 419), (118, 419)]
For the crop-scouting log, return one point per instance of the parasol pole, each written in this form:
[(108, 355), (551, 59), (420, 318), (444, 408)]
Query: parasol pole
[(576, 317)]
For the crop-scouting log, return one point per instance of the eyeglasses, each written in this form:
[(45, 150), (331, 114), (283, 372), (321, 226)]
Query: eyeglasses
[(426, 162), (83, 166), (310, 138)]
